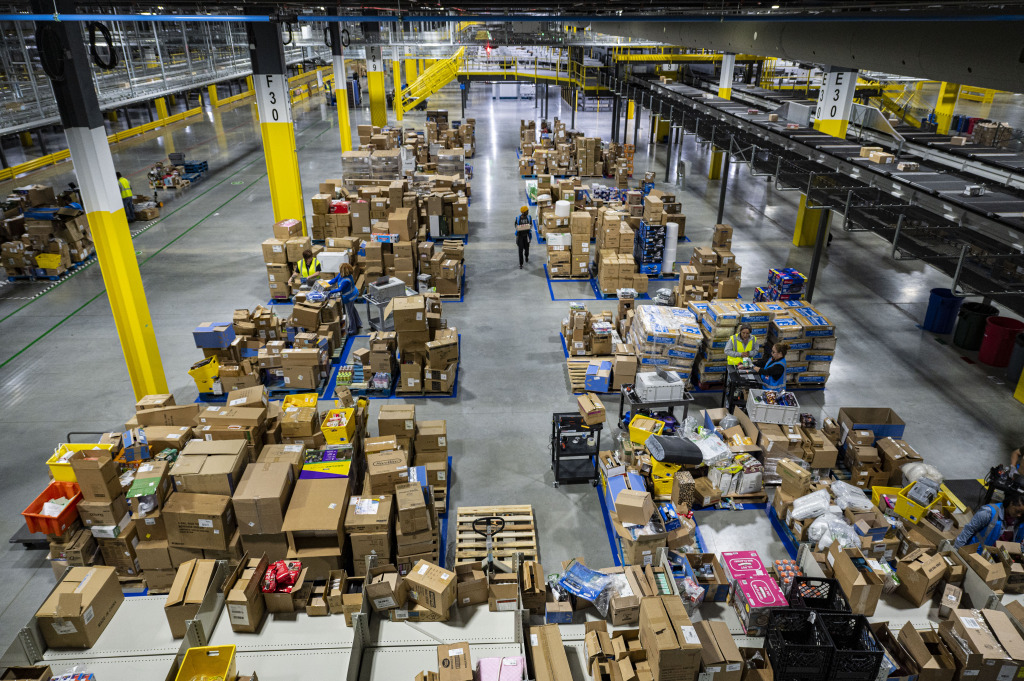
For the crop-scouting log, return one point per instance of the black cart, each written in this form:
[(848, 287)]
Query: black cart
[(737, 383), (627, 396), (574, 448)]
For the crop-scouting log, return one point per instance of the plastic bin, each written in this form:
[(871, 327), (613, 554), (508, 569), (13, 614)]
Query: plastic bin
[(62, 472), (997, 344), (970, 330), (857, 654), (812, 593), (642, 427), (208, 662), (798, 645), (1015, 367), (943, 307), (877, 492), (771, 413), (53, 524), (911, 510), (300, 400), (345, 428)]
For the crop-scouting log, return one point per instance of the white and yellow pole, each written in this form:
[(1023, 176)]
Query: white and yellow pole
[(726, 77), (94, 166), (835, 101), (276, 127), (396, 72), (340, 84)]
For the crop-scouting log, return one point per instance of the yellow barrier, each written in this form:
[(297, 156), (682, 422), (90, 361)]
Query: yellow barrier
[(64, 154)]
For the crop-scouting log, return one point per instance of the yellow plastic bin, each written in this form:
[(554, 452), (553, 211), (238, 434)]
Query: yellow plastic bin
[(339, 426), (209, 662), (642, 427), (204, 373), (62, 471), (910, 509), (301, 400), (878, 492)]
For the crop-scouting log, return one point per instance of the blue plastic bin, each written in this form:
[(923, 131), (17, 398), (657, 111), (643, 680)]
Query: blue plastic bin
[(943, 308)]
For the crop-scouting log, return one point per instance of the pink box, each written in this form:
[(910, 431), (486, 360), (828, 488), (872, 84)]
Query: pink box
[(512, 668), (753, 599), (743, 565)]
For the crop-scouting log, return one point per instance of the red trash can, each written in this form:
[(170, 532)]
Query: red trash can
[(997, 345)]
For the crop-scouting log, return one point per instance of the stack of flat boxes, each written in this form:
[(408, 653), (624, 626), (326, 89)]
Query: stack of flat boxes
[(718, 322), (811, 338), (280, 254), (665, 337), (649, 247)]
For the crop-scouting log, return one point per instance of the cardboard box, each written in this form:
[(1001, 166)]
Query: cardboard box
[(634, 507), (550, 662), (80, 607), (262, 497), (862, 587), (919, 573), (316, 513), (471, 584), (96, 473), (796, 480), (413, 514), (199, 521), (993, 573), (210, 467), (984, 657), (290, 602), (673, 647), (384, 588), (454, 662), (187, 592), (591, 409), (40, 673), (369, 514), (720, 658), (431, 586), (928, 656)]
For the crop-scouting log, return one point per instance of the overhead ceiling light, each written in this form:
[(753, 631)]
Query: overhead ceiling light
[(775, 6)]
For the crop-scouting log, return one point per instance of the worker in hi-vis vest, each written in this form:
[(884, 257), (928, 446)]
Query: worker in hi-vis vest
[(307, 268), (739, 345), (126, 196)]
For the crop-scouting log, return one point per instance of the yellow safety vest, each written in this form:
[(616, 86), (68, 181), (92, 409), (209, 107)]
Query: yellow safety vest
[(306, 271), (734, 361), (126, 188)]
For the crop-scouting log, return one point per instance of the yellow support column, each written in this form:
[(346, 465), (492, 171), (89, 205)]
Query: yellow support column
[(375, 86), (396, 101), (276, 125), (1018, 394), (807, 217), (944, 107), (26, 138), (211, 90), (161, 107), (94, 165), (629, 110), (340, 85), (717, 160), (173, 100), (248, 83)]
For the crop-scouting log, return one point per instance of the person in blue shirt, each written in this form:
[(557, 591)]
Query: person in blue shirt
[(345, 286), (772, 367), (990, 522)]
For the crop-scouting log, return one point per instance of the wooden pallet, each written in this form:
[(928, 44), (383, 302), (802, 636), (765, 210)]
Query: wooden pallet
[(519, 535), (577, 370)]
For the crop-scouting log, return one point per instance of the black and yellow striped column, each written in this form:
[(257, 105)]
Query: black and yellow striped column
[(80, 115), (375, 86), (275, 110), (340, 83)]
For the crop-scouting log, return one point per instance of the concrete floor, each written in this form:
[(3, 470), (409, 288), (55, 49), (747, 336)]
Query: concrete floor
[(62, 369)]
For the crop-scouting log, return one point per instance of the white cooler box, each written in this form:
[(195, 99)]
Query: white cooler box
[(651, 387)]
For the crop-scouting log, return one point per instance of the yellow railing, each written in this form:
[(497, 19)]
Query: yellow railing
[(439, 74), (58, 156)]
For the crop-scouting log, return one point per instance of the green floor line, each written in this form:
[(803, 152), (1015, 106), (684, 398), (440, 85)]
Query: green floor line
[(156, 253)]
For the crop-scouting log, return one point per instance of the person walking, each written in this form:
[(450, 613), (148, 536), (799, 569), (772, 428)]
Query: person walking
[(524, 234), (126, 196)]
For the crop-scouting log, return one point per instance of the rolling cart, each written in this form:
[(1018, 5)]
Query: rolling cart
[(574, 449)]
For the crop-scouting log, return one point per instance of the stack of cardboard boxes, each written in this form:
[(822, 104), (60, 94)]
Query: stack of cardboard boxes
[(569, 250), (783, 284), (712, 272), (811, 338), (585, 333), (281, 252), (423, 347), (665, 338), (38, 237)]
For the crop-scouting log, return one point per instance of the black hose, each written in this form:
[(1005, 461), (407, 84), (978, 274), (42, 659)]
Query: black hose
[(93, 27), (327, 37), (290, 38), (51, 52), (345, 38)]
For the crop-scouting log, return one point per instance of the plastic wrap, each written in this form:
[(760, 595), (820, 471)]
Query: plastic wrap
[(838, 530), (848, 496), (617, 586), (582, 582), (692, 594), (811, 505), (728, 422), (912, 472)]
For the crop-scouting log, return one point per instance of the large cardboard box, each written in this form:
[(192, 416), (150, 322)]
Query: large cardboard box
[(315, 522), (80, 607), (980, 655), (928, 656), (244, 595), (919, 573), (199, 521), (634, 507), (454, 662), (993, 572), (431, 586), (369, 514), (210, 467), (673, 647), (262, 497), (187, 592), (96, 473), (863, 587), (720, 658), (550, 663)]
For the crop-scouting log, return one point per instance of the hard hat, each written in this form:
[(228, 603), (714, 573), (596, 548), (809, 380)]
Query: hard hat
[(524, 209)]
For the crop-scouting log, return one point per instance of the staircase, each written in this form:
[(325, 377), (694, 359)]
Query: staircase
[(906, 101), (768, 74), (431, 80)]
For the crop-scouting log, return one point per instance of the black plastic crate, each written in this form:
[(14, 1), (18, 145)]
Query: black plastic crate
[(857, 653), (798, 645), (812, 593)]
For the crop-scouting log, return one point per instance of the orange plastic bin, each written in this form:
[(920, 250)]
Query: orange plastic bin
[(53, 524)]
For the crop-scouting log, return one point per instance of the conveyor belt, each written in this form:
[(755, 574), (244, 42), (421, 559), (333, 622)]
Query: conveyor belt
[(977, 238)]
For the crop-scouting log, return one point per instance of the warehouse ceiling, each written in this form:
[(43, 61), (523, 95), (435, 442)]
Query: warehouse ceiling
[(692, 9)]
